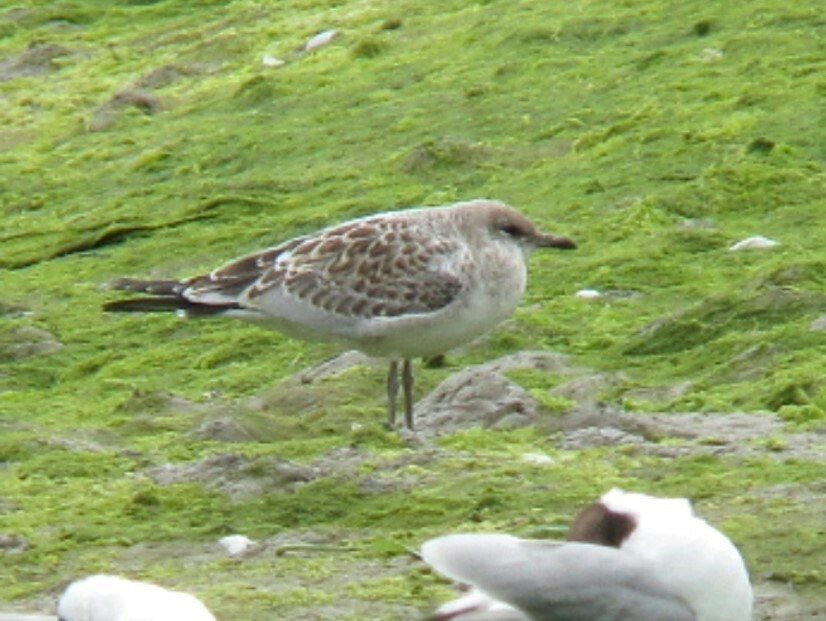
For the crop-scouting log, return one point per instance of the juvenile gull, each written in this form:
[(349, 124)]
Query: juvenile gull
[(112, 598), (630, 557), (398, 285)]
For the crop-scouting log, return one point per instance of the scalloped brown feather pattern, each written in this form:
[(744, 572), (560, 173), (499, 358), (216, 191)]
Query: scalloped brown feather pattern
[(392, 263)]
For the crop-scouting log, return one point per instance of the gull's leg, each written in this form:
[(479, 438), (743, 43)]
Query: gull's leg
[(392, 392), (407, 386)]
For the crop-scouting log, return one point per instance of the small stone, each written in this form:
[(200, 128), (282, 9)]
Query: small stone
[(818, 324), (757, 242)]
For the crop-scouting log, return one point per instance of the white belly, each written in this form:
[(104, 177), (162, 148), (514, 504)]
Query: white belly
[(435, 333)]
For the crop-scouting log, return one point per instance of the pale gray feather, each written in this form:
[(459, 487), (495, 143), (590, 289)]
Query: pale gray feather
[(552, 581)]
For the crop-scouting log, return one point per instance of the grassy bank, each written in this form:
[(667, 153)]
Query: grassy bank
[(151, 139)]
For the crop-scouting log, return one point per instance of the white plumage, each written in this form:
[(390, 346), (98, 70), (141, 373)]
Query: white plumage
[(111, 598), (633, 557)]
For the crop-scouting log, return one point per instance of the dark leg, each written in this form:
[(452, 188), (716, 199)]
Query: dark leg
[(392, 392), (407, 386)]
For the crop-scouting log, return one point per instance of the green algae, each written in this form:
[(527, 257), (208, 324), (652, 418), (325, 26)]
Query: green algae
[(656, 135)]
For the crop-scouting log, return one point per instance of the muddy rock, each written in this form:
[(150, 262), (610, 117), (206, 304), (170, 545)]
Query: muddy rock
[(234, 474), (818, 324), (10, 542), (482, 396)]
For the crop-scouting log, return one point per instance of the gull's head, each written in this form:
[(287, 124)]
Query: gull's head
[(639, 505), (619, 514), (502, 221)]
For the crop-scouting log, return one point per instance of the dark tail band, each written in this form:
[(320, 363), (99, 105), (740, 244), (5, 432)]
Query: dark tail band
[(165, 305)]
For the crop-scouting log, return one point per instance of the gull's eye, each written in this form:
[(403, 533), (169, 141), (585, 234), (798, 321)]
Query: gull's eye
[(512, 230)]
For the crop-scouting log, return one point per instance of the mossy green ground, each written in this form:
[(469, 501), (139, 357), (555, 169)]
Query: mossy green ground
[(655, 134)]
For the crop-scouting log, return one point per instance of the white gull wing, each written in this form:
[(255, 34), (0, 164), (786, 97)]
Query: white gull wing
[(552, 581)]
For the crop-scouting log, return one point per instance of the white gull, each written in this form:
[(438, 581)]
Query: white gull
[(399, 285), (112, 598), (630, 557)]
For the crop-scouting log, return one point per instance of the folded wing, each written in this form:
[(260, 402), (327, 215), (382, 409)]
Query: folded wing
[(551, 581)]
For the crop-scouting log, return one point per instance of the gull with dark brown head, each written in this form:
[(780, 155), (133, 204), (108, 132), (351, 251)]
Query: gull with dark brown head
[(398, 285), (629, 556)]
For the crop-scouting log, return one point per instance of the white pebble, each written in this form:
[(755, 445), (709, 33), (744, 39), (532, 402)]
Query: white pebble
[(540, 459), (588, 294), (758, 242), (322, 38), (235, 545), (711, 54), (269, 60)]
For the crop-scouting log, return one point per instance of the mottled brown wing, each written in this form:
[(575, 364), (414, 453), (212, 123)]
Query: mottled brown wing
[(417, 294), (367, 268), (228, 282)]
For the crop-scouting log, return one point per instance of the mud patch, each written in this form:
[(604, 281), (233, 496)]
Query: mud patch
[(780, 602), (235, 475), (38, 59), (26, 341)]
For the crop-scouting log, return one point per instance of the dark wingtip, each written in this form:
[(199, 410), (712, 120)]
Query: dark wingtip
[(145, 305), (165, 305)]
